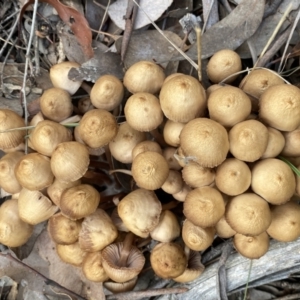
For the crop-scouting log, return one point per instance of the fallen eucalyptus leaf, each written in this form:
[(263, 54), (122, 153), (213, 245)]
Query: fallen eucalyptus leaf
[(231, 31), (149, 45), (154, 9), (266, 28)]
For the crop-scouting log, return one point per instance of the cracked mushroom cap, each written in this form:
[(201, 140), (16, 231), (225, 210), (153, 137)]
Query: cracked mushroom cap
[(285, 225), (252, 247), (140, 211), (168, 260), (204, 141), (111, 256), (279, 107), (204, 206), (248, 214), (273, 180)]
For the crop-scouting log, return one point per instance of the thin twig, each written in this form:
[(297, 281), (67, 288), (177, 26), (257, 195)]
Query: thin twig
[(147, 293), (160, 31), (198, 34), (103, 19), (47, 281), (248, 279), (280, 69)]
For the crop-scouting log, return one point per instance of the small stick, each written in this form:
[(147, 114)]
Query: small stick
[(198, 34), (146, 293)]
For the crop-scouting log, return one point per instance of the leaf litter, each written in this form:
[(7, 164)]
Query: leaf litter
[(71, 37)]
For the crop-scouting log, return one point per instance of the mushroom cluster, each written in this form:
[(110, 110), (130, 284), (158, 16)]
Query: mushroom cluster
[(213, 154)]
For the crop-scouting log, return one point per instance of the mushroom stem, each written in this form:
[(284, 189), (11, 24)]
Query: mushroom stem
[(187, 251), (127, 243), (86, 87), (170, 205), (128, 172), (159, 138), (108, 157), (72, 119), (98, 177), (99, 164)]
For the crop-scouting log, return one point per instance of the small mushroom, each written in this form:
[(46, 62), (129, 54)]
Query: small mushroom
[(292, 143), (252, 247), (122, 261), (71, 254), (248, 214), (285, 225), (146, 146), (204, 206), (119, 287), (273, 180), (223, 229), (204, 141), (276, 142), (172, 133), (168, 260), (174, 182)]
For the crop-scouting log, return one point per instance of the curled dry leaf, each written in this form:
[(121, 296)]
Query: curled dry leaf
[(75, 20), (153, 8)]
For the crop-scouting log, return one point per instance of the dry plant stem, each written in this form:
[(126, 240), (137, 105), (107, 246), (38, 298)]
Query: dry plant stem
[(288, 10), (226, 6), (221, 278), (23, 89), (280, 68), (126, 249), (104, 16), (158, 138), (159, 30), (147, 293), (289, 297), (198, 34), (276, 46), (36, 52), (129, 17), (86, 87), (46, 280)]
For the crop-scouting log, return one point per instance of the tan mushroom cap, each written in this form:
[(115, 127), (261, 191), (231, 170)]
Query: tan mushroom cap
[(8, 180), (119, 287), (169, 154), (97, 128), (204, 206), (204, 141), (233, 177), (276, 142), (107, 92), (194, 268), (33, 171), (292, 143), (259, 80), (63, 230), (71, 254), (143, 112), (196, 176), (56, 104), (47, 135), (174, 183), (115, 270), (273, 180), (140, 211), (223, 229), (168, 260), (196, 237), (69, 161), (13, 231), (222, 64), (150, 170), (92, 267), (172, 133), (252, 247), (279, 107), (79, 201), (229, 106), (59, 76), (146, 146), (248, 140), (122, 145), (167, 229), (248, 214), (144, 76), (9, 120), (35, 207), (285, 225), (182, 98), (97, 231)]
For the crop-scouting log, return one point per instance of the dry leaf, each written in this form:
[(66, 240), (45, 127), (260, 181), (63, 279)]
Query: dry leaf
[(75, 20), (150, 45), (153, 8), (231, 31)]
